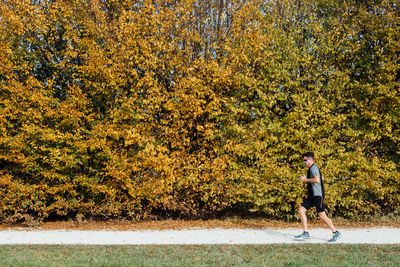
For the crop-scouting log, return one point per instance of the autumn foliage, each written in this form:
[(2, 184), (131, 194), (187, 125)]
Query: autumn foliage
[(194, 108)]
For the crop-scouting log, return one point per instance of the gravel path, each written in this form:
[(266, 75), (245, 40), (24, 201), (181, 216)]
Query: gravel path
[(383, 235)]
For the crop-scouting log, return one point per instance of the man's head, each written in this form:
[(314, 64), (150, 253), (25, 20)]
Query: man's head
[(308, 159)]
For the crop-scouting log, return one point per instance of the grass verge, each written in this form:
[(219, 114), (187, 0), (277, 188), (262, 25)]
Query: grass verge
[(205, 255)]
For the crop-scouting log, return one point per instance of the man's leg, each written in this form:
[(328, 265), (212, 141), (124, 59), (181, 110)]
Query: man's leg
[(303, 218), (328, 221)]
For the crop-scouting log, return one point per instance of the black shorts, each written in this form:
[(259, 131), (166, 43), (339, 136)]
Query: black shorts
[(316, 201)]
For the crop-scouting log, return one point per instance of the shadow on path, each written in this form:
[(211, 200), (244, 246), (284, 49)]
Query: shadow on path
[(290, 236)]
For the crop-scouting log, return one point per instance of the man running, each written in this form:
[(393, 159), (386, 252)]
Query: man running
[(316, 195)]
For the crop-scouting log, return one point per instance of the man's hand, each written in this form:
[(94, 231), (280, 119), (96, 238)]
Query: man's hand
[(303, 178)]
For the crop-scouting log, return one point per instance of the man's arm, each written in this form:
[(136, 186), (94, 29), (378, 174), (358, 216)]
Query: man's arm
[(315, 179)]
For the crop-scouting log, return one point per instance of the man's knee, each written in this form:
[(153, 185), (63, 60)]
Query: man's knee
[(302, 210)]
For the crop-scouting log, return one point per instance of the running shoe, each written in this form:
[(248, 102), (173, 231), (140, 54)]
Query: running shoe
[(335, 236), (304, 235)]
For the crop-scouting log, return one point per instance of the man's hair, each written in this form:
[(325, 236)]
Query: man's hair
[(308, 155)]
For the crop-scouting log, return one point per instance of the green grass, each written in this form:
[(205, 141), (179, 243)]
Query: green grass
[(206, 255)]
